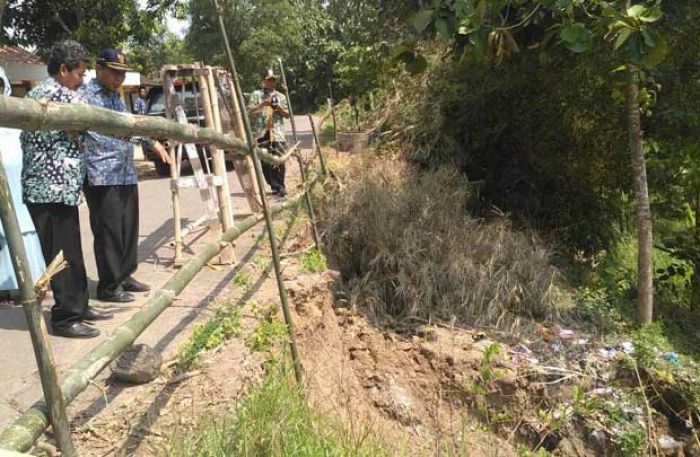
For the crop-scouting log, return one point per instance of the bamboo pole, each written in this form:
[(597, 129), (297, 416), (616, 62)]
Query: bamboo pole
[(244, 166), (302, 168), (206, 89), (324, 170), (35, 321), (296, 361), (21, 435), (174, 176), (216, 109), (29, 114)]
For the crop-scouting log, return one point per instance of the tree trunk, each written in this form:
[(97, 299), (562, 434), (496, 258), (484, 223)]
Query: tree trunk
[(645, 285), (2, 9), (695, 279)]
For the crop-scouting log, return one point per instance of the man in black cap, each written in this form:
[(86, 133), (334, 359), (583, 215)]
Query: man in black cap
[(111, 188), (268, 109)]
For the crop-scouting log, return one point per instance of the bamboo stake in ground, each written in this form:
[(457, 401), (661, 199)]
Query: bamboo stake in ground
[(296, 361), (35, 321), (243, 166), (302, 168), (174, 176), (317, 144), (218, 154)]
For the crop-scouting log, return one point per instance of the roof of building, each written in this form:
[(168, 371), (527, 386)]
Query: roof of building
[(9, 53)]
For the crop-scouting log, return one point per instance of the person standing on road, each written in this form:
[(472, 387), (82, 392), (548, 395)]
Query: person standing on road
[(111, 188), (141, 103), (53, 172), (268, 109)]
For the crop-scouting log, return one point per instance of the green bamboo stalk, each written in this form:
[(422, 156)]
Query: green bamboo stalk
[(302, 168), (324, 170), (21, 435), (35, 321), (296, 361), (29, 114)]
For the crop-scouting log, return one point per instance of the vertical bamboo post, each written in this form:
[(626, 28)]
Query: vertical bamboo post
[(35, 320), (244, 166), (210, 123), (324, 170), (296, 361), (174, 175), (218, 155), (302, 168)]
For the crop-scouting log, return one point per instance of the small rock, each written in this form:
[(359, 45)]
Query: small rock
[(138, 364)]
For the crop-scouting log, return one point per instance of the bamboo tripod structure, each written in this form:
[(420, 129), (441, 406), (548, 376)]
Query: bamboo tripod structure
[(213, 187)]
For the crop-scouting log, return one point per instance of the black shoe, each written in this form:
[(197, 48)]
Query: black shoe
[(76, 330), (281, 193), (94, 314), (132, 285), (120, 296)]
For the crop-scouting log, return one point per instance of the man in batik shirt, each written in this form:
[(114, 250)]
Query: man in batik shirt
[(268, 109), (111, 188), (52, 175)]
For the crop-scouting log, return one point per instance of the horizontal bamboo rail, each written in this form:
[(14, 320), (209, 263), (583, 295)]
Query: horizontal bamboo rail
[(21, 435), (29, 114)]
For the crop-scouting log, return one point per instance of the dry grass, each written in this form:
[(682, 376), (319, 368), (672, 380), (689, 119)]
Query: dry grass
[(408, 247)]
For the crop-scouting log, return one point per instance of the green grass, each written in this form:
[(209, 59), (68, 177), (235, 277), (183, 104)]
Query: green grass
[(266, 334), (220, 328), (274, 421), (243, 279), (314, 261)]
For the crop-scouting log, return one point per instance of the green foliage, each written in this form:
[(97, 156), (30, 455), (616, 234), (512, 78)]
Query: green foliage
[(149, 57), (303, 34), (649, 342), (314, 261), (267, 334), (42, 23), (541, 142), (217, 330), (275, 420), (632, 441)]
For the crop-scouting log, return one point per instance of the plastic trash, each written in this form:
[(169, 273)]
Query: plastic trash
[(565, 333), (607, 353), (673, 358), (628, 347)]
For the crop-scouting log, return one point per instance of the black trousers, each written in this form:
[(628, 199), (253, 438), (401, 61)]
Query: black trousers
[(114, 219), (58, 227), (274, 174)]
